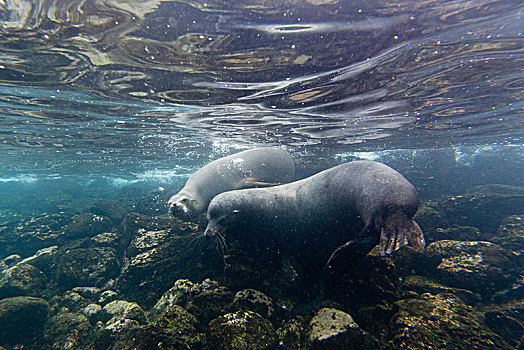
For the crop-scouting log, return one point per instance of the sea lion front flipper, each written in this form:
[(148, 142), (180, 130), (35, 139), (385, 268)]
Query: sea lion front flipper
[(398, 230), (252, 182)]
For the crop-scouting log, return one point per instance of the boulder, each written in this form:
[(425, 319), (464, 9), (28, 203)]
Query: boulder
[(22, 279), (335, 329), (440, 321), (242, 330), (21, 319)]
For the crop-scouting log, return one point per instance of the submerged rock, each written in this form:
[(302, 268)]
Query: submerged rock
[(479, 266), (510, 236), (87, 225), (22, 279), (242, 330), (507, 321), (483, 209), (292, 334), (335, 329), (421, 285), (440, 321), (68, 331), (83, 267), (21, 319), (253, 300), (121, 309)]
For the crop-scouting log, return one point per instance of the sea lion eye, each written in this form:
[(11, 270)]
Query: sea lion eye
[(184, 200), (236, 211)]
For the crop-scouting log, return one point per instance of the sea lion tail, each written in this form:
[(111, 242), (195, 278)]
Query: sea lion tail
[(397, 230)]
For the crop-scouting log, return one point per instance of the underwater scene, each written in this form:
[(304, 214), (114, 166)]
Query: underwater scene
[(261, 174)]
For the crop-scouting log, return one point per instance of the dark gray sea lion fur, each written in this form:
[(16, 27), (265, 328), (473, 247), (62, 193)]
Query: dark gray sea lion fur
[(327, 210), (263, 166)]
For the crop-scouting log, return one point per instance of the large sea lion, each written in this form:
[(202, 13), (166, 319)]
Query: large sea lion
[(356, 201), (263, 166)]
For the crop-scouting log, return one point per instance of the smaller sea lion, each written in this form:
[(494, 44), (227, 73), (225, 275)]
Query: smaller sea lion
[(263, 166), (356, 201)]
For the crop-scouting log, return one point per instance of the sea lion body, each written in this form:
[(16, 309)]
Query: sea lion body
[(323, 211), (263, 166)]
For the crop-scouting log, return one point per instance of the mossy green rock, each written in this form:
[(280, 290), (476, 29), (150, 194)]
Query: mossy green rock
[(83, 267), (440, 321), (457, 233), (243, 330), (22, 279), (122, 309), (421, 285), (334, 329), (254, 300), (21, 319), (479, 266), (68, 331)]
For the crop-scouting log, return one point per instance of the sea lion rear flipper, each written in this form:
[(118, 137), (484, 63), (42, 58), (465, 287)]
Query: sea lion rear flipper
[(356, 248), (399, 230), (252, 182)]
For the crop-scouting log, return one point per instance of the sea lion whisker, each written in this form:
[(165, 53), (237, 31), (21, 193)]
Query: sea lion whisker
[(223, 242)]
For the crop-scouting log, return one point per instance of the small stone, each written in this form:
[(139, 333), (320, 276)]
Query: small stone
[(107, 296)]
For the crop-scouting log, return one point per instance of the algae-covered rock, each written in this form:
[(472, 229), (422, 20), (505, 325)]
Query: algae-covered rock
[(292, 334), (22, 279), (484, 210), (107, 296), (421, 285), (335, 329), (181, 325), (68, 331), (241, 330), (430, 221), (254, 300), (510, 236), (457, 233), (113, 210), (21, 319), (440, 321), (507, 321), (87, 225), (479, 266), (70, 300), (121, 309), (82, 267)]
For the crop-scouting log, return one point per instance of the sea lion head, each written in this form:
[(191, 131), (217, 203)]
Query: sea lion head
[(183, 206), (222, 215)]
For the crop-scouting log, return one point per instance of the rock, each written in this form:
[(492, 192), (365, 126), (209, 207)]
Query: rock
[(457, 233), (70, 300), (510, 236), (206, 300), (95, 313), (253, 300), (86, 225), (513, 292), (430, 222), (121, 309), (421, 285), (146, 275), (440, 321), (43, 260), (22, 279), (293, 335), (91, 293), (484, 210), (507, 321), (241, 330), (107, 296), (181, 325), (86, 267), (21, 319), (10, 261), (113, 210), (35, 233), (68, 331), (481, 267), (335, 329)]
